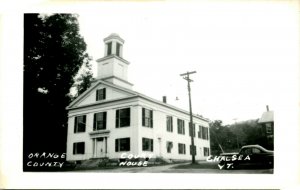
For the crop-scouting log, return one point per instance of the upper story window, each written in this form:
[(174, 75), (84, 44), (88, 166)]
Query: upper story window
[(99, 121), (147, 117), (181, 148), (123, 117), (204, 133), (80, 122), (200, 132), (180, 126), (147, 144), (122, 144), (78, 148), (101, 94), (118, 50), (169, 146), (170, 123), (109, 48), (192, 130)]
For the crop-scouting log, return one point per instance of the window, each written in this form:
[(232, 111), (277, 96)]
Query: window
[(109, 46), (169, 146), (205, 133), (255, 151), (147, 144), (123, 118), (101, 94), (205, 151), (268, 128), (181, 148), (99, 121), (147, 118), (180, 126), (192, 131), (118, 49), (200, 132), (78, 148), (193, 150), (169, 123), (122, 144), (80, 124), (246, 151)]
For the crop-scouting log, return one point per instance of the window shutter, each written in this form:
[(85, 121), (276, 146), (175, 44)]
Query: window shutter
[(104, 93), (95, 122), (116, 145), (128, 115), (83, 148), (207, 134), (97, 95), (200, 131), (104, 120), (75, 125), (172, 124), (151, 119), (128, 144), (151, 142), (143, 116), (117, 118), (84, 121)]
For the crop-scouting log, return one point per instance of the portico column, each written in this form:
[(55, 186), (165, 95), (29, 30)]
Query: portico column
[(105, 143), (95, 148)]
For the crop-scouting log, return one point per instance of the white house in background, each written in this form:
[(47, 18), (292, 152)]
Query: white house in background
[(110, 118)]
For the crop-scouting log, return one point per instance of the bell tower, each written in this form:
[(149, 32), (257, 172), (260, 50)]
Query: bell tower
[(113, 67)]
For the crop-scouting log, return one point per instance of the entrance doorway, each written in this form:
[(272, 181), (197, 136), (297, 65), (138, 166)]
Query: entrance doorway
[(100, 147)]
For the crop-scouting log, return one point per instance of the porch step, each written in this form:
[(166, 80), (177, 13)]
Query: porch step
[(93, 163)]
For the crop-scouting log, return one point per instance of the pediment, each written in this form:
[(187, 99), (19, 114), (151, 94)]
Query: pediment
[(113, 92)]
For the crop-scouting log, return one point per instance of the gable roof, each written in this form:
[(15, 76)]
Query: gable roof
[(94, 86), (267, 117), (133, 93)]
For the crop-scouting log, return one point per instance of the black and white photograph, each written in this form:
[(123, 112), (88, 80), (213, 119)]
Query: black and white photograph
[(187, 94)]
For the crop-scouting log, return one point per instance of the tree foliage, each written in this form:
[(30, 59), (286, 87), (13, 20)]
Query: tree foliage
[(232, 137), (54, 51)]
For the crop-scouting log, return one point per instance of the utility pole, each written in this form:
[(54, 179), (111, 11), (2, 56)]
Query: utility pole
[(187, 77), (237, 137)]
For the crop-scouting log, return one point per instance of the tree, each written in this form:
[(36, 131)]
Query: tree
[(82, 81), (54, 51), (222, 138), (248, 132), (232, 137)]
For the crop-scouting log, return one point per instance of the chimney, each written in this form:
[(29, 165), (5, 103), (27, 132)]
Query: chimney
[(164, 99), (267, 107)]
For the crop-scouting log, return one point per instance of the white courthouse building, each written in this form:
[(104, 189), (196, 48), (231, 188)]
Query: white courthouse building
[(110, 118)]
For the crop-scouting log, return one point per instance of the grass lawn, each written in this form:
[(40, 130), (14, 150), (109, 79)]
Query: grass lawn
[(203, 165)]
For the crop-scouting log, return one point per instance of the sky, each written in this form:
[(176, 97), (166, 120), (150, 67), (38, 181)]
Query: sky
[(243, 52)]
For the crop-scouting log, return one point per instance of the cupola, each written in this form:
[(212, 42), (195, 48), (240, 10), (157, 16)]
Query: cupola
[(113, 67)]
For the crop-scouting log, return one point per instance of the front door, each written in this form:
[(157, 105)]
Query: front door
[(100, 147)]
